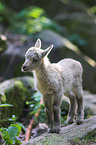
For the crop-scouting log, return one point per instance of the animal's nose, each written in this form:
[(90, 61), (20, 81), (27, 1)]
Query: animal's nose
[(24, 67)]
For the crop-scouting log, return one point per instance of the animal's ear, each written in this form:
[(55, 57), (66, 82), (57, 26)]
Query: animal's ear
[(38, 43), (47, 51)]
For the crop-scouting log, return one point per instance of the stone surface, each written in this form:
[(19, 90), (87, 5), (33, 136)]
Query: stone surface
[(67, 134), (12, 59), (89, 104), (14, 91), (71, 18)]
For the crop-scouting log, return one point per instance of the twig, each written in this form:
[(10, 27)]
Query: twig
[(28, 129)]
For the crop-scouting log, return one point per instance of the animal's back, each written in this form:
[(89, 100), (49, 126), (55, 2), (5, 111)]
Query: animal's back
[(71, 63), (71, 73)]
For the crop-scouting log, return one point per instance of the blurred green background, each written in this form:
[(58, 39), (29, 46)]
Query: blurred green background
[(70, 25)]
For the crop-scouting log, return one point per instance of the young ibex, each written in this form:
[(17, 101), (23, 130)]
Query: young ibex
[(55, 80)]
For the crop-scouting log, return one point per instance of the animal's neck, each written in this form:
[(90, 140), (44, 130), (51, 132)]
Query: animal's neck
[(41, 70)]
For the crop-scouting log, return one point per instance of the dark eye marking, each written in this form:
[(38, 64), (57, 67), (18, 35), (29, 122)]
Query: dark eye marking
[(35, 60)]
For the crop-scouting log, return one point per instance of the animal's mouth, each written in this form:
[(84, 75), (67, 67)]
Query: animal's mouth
[(24, 69)]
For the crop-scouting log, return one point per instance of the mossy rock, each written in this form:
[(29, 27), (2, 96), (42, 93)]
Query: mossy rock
[(15, 92), (69, 135), (3, 43)]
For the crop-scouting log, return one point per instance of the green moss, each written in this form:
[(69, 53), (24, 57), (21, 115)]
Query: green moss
[(16, 96), (86, 140)]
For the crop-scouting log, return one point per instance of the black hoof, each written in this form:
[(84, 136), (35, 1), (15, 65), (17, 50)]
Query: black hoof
[(78, 122), (50, 130)]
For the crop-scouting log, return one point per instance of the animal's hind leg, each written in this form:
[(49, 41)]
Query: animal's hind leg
[(80, 107), (72, 109)]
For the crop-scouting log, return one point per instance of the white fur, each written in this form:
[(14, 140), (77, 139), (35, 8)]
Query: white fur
[(54, 80)]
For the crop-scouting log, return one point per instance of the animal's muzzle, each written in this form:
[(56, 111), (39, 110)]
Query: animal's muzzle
[(24, 68)]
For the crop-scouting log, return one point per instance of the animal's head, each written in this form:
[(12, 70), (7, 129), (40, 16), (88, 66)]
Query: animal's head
[(34, 56)]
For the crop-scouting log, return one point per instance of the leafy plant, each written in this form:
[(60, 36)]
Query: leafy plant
[(35, 106), (32, 20), (11, 133), (93, 9)]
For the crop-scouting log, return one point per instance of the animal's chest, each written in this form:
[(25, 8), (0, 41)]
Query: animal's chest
[(48, 84), (45, 86)]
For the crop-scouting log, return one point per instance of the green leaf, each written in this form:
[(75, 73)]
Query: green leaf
[(36, 12), (9, 135), (13, 118), (29, 102), (5, 135), (37, 99), (12, 131), (32, 105), (18, 142), (18, 128), (6, 105), (42, 105), (33, 112), (20, 124)]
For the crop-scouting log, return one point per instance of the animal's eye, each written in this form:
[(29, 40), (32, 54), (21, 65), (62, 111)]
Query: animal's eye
[(35, 60)]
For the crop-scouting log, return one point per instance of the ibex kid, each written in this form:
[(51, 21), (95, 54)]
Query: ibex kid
[(55, 80)]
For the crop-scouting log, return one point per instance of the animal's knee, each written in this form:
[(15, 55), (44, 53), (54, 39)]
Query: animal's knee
[(79, 100), (72, 99), (79, 93), (48, 110), (56, 108), (79, 96)]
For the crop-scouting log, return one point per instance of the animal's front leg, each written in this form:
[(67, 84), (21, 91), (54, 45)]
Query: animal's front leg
[(49, 111), (56, 112)]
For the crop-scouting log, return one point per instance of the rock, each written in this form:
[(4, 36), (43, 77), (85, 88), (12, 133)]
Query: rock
[(14, 91), (3, 43), (67, 134), (71, 18), (41, 128), (89, 104), (13, 58)]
